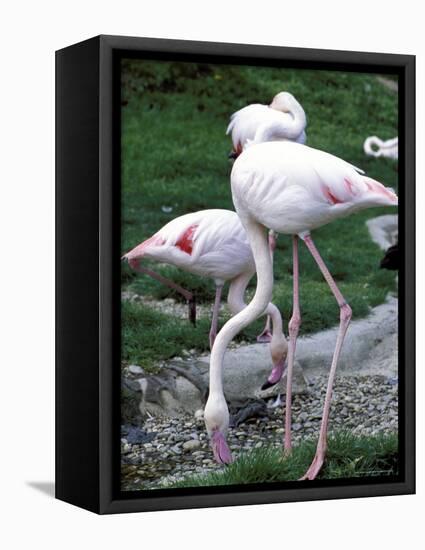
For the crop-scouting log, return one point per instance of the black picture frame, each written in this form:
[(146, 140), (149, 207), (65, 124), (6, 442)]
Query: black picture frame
[(88, 264)]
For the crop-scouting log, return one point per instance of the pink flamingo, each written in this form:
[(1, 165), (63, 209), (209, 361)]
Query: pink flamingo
[(292, 189), (283, 119), (213, 243)]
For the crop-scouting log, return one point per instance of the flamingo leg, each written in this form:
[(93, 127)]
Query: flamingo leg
[(216, 309), (345, 316), (190, 297), (294, 326)]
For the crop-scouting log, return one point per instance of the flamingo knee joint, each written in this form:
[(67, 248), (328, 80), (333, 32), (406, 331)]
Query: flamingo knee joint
[(346, 313)]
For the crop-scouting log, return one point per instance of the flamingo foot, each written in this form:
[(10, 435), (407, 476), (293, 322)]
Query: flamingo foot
[(220, 448), (315, 467), (265, 337), (275, 375)]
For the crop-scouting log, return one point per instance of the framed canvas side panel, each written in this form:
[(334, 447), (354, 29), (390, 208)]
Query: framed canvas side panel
[(109, 275), (77, 274), (407, 274)]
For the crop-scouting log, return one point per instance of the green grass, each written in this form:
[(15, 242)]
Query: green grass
[(149, 336), (174, 155), (348, 456)]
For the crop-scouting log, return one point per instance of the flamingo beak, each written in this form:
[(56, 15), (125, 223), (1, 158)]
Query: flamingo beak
[(275, 375), (220, 448)]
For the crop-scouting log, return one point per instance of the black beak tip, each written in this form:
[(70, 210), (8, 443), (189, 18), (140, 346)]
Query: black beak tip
[(266, 385)]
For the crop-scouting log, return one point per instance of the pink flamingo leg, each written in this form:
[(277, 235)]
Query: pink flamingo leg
[(134, 264), (216, 309), (294, 326), (345, 316)]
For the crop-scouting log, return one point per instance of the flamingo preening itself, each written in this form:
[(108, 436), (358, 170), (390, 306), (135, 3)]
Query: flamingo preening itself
[(283, 119), (375, 147), (214, 244), (291, 189)]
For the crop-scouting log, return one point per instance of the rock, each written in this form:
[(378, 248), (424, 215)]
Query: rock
[(198, 453), (250, 409), (247, 368), (191, 445), (135, 369), (199, 414)]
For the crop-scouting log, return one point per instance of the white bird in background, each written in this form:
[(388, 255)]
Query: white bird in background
[(212, 243), (292, 189), (375, 147), (283, 119)]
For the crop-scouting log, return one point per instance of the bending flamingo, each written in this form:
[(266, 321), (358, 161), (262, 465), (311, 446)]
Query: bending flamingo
[(292, 189), (213, 243), (283, 119)]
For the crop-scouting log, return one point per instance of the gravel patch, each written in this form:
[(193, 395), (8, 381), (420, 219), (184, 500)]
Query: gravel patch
[(176, 448)]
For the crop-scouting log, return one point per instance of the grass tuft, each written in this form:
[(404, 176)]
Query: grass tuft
[(348, 456)]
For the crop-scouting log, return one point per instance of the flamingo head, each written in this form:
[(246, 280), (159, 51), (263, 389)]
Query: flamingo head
[(283, 101), (216, 418), (372, 146), (279, 351), (276, 374)]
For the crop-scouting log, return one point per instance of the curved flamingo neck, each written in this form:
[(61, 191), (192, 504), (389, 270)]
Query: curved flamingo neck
[(236, 299), (259, 244), (285, 129)]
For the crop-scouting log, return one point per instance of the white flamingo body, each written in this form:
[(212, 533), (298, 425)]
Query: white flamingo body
[(213, 243), (291, 189), (218, 244), (284, 119)]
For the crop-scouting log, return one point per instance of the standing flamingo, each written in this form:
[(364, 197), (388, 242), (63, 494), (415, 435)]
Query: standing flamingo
[(213, 243), (283, 119), (292, 189)]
